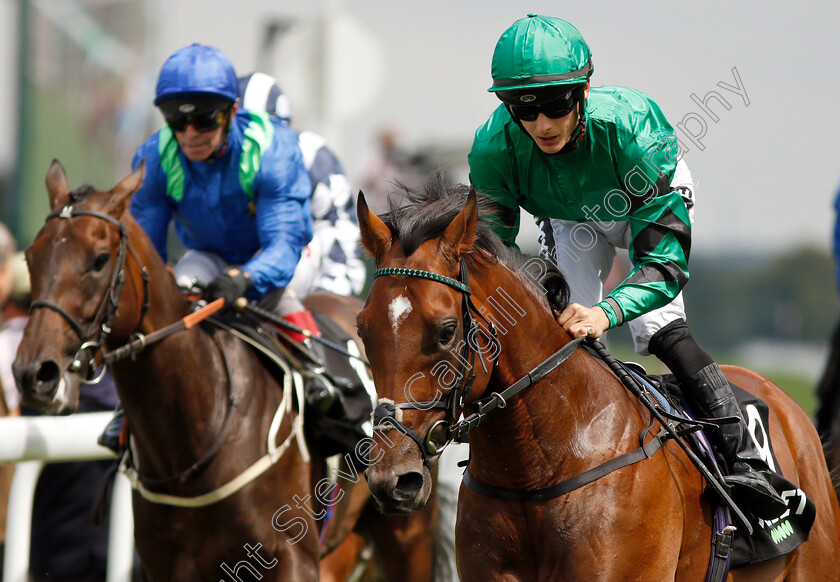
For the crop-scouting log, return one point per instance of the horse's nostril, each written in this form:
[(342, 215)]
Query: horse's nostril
[(408, 484), (48, 373)]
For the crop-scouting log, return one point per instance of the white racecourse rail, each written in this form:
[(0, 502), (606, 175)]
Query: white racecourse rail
[(33, 441)]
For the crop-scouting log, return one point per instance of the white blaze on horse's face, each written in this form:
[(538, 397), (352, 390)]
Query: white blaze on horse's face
[(398, 311)]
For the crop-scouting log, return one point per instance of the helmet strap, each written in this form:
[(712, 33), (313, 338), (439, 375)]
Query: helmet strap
[(579, 132), (220, 151)]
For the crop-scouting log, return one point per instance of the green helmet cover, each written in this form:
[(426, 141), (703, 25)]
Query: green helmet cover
[(540, 51)]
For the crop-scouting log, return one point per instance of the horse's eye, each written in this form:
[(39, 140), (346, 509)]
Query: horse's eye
[(101, 261), (447, 332)]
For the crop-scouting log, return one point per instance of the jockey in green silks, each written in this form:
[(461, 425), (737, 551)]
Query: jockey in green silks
[(599, 168)]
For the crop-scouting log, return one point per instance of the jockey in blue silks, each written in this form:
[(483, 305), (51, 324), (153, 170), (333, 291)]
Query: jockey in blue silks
[(233, 181), (234, 184)]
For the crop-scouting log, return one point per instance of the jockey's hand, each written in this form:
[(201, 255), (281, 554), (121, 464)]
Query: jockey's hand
[(581, 321), (231, 285)]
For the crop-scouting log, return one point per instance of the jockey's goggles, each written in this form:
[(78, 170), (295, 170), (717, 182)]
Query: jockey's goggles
[(202, 122), (527, 105), (203, 114)]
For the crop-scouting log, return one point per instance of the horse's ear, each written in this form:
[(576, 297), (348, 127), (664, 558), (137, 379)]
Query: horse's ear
[(376, 237), (459, 236), (121, 193), (56, 182)]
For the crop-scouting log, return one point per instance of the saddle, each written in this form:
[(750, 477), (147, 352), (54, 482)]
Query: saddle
[(770, 537), (336, 421)]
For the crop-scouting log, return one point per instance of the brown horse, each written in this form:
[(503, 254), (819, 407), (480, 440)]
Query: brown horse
[(210, 502), (444, 287)]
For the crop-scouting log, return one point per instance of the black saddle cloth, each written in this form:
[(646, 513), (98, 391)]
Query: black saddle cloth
[(774, 537)]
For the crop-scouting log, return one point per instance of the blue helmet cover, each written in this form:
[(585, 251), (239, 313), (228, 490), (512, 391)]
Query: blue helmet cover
[(196, 71)]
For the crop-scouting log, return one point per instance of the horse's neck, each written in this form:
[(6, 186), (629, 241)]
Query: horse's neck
[(527, 332), (549, 428), (179, 382)]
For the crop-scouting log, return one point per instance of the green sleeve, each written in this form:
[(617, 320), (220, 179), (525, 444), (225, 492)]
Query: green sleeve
[(660, 230), (660, 241)]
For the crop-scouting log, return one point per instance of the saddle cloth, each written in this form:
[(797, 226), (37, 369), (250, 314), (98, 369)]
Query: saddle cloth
[(770, 538), (347, 422)]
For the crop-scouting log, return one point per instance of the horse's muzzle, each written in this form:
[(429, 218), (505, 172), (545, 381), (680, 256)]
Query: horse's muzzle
[(399, 492), (37, 381)]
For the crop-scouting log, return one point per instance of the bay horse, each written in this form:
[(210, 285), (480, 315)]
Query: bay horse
[(452, 321), (223, 486)]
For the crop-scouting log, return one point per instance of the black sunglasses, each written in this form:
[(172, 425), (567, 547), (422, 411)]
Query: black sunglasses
[(554, 109), (203, 121)]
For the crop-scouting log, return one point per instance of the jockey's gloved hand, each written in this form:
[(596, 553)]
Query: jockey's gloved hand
[(230, 285)]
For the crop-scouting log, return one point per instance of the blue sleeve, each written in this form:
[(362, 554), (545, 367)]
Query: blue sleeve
[(284, 218), (836, 245), (149, 205)]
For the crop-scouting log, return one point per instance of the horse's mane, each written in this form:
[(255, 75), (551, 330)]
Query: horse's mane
[(420, 215)]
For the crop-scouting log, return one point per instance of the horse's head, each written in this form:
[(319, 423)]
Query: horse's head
[(416, 327), (77, 267)]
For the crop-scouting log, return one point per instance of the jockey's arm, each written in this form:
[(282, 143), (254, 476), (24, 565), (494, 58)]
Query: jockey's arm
[(284, 219)]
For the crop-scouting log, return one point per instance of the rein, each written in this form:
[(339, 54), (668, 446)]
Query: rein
[(208, 456), (93, 339), (385, 415), (274, 451), (137, 345), (650, 404), (499, 399)]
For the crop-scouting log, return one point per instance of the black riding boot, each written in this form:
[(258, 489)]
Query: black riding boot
[(695, 369), (745, 477), (320, 392), (110, 437)]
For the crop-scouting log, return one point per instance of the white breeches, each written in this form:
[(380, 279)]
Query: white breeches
[(585, 253)]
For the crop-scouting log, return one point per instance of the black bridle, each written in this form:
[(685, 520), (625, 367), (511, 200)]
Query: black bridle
[(94, 336), (440, 434), (449, 428), (385, 412)]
